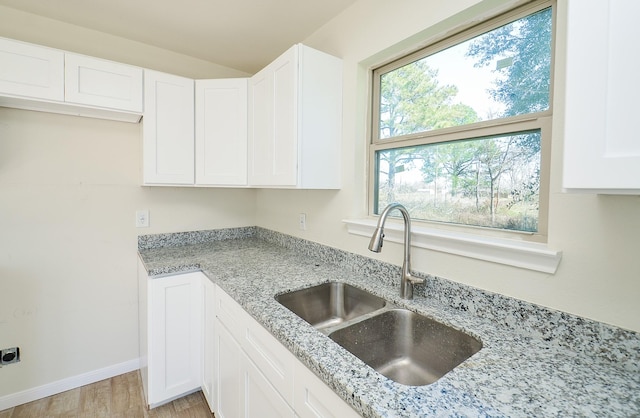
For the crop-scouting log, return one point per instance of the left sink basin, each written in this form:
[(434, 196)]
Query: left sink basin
[(330, 304)]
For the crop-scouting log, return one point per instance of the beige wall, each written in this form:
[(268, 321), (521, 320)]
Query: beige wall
[(599, 275), (69, 189)]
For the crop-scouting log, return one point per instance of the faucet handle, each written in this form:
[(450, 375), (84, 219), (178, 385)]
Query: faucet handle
[(415, 280)]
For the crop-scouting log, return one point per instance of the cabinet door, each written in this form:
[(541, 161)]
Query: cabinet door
[(319, 119), (168, 132), (273, 139), (601, 149), (96, 82), (275, 362), (208, 350), (227, 368), (261, 399), (221, 132), (31, 71), (314, 399), (175, 314)]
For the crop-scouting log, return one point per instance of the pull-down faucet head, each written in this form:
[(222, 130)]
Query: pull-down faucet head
[(377, 239)]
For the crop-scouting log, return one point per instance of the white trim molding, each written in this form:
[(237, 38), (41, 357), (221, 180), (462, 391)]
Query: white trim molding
[(526, 255), (59, 386)]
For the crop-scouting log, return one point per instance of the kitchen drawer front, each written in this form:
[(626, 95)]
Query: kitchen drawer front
[(230, 314)]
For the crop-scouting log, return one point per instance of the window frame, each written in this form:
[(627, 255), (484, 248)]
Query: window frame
[(531, 121)]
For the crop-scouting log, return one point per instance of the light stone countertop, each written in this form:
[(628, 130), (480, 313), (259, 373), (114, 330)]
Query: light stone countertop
[(534, 361)]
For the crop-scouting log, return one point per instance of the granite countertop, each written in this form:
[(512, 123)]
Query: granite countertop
[(534, 361)]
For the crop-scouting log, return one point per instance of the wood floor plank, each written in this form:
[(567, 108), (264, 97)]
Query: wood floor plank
[(32, 409), (95, 399), (119, 397), (186, 402), (125, 393), (64, 402), (164, 411), (6, 413), (193, 412)]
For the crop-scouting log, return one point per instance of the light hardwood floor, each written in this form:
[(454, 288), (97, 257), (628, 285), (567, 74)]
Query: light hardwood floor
[(120, 396)]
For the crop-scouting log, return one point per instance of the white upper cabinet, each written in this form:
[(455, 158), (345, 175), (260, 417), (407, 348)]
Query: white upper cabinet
[(31, 71), (95, 82), (33, 77), (295, 115), (601, 143), (168, 132), (221, 132)]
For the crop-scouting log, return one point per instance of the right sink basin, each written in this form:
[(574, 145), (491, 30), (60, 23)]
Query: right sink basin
[(407, 347)]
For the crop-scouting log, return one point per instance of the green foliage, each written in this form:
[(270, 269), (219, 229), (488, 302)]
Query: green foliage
[(412, 100), (526, 83), (491, 182)]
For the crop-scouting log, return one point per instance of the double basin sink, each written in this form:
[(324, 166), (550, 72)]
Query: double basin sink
[(402, 345)]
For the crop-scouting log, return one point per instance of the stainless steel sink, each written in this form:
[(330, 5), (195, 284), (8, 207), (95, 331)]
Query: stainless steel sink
[(406, 347), (330, 304)]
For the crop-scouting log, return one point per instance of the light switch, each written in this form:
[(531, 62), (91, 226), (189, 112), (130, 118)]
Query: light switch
[(142, 218)]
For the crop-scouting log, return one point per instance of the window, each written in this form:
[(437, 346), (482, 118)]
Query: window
[(461, 128)]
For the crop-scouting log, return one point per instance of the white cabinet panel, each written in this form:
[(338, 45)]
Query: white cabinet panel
[(601, 143), (258, 377), (273, 158), (31, 71), (228, 369), (295, 121), (314, 399), (175, 314), (260, 153), (96, 82), (208, 343), (168, 135), (273, 359), (261, 399), (170, 332), (221, 132)]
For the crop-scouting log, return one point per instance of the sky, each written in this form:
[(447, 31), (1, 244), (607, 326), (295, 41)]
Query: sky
[(456, 69)]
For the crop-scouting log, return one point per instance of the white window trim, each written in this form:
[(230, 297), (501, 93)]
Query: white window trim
[(523, 254)]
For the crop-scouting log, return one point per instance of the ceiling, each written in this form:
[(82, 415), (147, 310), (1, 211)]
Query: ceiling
[(241, 34)]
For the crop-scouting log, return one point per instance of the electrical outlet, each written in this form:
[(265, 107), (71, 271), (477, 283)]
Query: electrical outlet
[(302, 221), (9, 355), (142, 218)]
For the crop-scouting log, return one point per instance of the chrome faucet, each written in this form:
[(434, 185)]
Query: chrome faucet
[(407, 280)]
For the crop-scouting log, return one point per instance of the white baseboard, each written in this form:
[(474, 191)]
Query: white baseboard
[(18, 398)]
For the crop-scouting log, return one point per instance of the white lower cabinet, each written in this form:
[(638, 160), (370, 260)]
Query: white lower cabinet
[(256, 376), (170, 335), (193, 335), (208, 342), (227, 373), (312, 398), (261, 399)]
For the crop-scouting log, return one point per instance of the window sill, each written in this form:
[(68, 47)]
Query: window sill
[(526, 255)]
